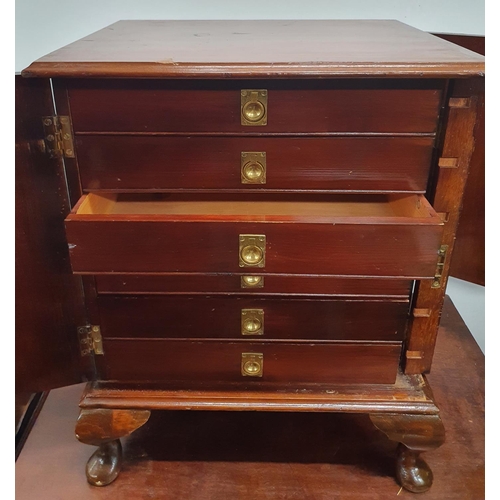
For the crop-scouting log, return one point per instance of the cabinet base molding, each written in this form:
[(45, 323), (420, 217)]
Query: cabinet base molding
[(404, 411)]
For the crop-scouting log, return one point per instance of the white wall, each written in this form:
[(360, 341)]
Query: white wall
[(469, 299), (44, 26)]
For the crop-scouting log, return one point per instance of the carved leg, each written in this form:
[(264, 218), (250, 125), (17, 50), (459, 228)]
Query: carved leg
[(415, 433), (105, 464), (103, 428)]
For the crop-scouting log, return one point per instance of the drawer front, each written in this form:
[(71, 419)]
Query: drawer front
[(251, 318), (251, 284), (160, 360), (146, 246), (327, 164), (313, 106)]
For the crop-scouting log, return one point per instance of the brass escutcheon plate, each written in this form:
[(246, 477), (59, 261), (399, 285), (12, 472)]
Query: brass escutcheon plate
[(252, 321), (253, 167), (252, 364), (252, 250), (254, 107)]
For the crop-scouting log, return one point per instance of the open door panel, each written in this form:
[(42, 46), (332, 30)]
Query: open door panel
[(49, 299)]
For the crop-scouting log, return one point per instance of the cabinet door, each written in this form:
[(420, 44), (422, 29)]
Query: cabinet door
[(49, 299), (469, 252)]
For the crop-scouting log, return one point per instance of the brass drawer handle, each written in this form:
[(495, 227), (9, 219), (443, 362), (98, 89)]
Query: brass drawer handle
[(252, 254), (254, 107), (252, 321), (252, 281), (253, 168), (252, 364), (252, 250)]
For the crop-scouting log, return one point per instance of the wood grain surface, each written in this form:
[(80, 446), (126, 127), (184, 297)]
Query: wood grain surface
[(154, 163), (264, 48), (446, 193), (153, 245), (210, 317), (99, 426), (214, 107), (409, 393), (182, 360), (49, 303)]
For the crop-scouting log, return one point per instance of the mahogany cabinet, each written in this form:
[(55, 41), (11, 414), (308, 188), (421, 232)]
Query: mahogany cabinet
[(241, 215)]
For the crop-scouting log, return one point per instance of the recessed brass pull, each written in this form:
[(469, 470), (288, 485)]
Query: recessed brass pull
[(252, 250), (252, 364), (251, 255), (252, 321), (252, 281), (254, 107), (253, 168)]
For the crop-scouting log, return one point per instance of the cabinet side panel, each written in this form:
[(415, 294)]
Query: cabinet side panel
[(455, 156), (49, 302)]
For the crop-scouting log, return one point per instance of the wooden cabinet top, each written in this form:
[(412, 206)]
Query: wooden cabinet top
[(223, 49)]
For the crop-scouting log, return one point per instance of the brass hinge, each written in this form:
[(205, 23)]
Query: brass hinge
[(90, 340), (443, 250), (58, 136)]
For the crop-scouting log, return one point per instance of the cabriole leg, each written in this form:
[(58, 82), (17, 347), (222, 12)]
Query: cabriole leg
[(105, 464), (415, 433), (103, 428)]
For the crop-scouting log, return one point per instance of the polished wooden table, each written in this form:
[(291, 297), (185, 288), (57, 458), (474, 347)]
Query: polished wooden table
[(253, 455)]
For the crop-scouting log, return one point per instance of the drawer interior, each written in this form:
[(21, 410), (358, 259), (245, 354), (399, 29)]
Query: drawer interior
[(329, 206), (390, 235)]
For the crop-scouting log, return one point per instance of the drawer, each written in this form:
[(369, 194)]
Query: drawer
[(251, 318), (378, 235), (251, 284), (300, 106), (161, 360), (293, 163)]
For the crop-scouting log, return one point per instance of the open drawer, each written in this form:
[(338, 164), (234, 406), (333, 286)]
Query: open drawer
[(343, 235)]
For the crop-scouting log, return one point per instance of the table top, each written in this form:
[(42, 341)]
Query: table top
[(221, 49)]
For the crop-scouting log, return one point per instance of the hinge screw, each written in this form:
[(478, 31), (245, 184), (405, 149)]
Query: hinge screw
[(47, 122)]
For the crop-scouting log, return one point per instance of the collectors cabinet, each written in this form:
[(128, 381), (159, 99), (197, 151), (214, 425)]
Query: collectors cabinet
[(242, 215)]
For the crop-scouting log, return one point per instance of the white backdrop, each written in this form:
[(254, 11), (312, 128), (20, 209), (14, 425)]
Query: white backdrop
[(44, 26)]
